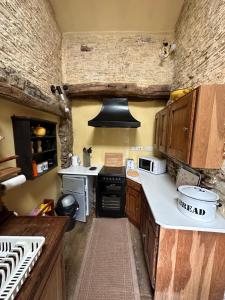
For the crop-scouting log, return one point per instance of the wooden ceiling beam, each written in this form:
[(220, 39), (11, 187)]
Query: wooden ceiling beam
[(129, 90), (18, 96)]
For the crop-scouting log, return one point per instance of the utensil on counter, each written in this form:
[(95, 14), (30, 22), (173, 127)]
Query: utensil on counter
[(87, 157)]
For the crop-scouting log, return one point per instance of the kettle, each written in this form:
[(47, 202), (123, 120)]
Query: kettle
[(75, 161), (130, 164)]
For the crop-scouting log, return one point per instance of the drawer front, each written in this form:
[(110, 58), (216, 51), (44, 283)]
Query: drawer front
[(73, 184), (134, 185)]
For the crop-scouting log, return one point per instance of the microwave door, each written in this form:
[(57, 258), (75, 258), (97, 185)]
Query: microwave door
[(145, 164)]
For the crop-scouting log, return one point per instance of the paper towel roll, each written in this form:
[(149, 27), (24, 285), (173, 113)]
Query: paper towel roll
[(13, 182)]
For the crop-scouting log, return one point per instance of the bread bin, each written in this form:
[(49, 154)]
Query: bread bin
[(197, 203)]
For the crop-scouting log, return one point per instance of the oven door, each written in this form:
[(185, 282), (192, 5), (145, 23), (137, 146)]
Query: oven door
[(144, 164)]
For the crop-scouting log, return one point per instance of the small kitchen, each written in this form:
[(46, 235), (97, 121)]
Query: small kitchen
[(112, 175)]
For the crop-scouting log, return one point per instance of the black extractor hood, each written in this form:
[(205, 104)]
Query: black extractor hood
[(114, 114)]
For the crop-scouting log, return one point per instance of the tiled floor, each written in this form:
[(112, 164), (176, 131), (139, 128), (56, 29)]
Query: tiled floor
[(75, 242)]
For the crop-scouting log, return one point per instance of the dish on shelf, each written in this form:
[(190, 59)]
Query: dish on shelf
[(39, 131)]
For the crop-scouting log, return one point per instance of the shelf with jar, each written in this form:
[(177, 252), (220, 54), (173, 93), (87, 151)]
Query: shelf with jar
[(35, 144)]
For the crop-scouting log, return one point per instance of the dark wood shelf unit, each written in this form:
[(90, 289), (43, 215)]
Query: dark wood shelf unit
[(25, 141), (44, 172), (43, 152), (43, 137)]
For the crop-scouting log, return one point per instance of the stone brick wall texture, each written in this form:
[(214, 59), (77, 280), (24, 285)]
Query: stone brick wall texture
[(200, 58), (126, 57), (30, 42), (200, 39)]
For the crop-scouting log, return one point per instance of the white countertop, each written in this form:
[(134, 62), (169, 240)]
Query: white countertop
[(80, 170), (161, 194)]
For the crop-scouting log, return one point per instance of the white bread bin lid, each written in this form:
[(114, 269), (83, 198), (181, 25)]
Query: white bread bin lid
[(198, 193)]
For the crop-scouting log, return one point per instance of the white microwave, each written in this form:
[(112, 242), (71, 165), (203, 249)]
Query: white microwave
[(152, 165)]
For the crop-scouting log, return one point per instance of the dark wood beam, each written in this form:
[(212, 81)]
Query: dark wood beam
[(129, 90), (18, 96)]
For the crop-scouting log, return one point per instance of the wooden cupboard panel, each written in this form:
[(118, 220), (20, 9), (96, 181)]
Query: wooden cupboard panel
[(136, 186), (208, 136), (149, 233), (133, 203), (191, 265), (181, 118), (54, 288), (163, 124), (157, 130), (151, 252)]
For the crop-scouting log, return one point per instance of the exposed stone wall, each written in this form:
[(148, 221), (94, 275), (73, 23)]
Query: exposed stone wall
[(30, 59), (126, 57), (199, 59), (30, 42), (200, 39)]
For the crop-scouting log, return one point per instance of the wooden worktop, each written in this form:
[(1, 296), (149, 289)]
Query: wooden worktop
[(53, 229)]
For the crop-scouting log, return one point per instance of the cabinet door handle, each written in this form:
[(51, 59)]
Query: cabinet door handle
[(144, 235), (137, 208), (185, 129)]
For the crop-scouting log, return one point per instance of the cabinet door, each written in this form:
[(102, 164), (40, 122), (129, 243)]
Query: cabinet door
[(163, 124), (150, 238), (151, 251), (181, 118), (55, 285), (133, 206), (156, 130)]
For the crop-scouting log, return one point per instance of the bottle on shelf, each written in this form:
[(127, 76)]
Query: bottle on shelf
[(34, 167)]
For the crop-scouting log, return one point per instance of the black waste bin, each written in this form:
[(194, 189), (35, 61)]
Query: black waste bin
[(67, 205)]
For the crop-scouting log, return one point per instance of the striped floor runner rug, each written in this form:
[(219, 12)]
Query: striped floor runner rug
[(108, 269)]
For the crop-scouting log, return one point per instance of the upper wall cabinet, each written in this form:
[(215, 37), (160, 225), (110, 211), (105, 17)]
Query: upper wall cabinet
[(192, 128)]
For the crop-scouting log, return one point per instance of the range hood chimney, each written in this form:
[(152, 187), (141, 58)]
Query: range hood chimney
[(114, 114)]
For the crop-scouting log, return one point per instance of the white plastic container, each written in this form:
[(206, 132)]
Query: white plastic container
[(75, 161), (18, 256), (197, 203)]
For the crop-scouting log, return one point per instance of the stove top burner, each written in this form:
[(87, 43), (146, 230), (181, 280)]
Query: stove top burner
[(113, 171)]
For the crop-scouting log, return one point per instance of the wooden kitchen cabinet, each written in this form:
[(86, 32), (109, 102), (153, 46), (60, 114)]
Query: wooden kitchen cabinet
[(181, 120), (133, 202), (150, 238), (161, 130), (192, 128), (54, 288), (182, 264)]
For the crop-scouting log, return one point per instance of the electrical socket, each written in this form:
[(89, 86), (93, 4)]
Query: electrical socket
[(137, 148)]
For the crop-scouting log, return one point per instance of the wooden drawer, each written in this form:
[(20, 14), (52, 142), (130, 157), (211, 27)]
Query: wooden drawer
[(134, 185)]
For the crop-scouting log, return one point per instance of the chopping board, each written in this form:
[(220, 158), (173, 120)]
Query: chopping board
[(132, 173), (186, 177), (114, 159)]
